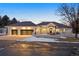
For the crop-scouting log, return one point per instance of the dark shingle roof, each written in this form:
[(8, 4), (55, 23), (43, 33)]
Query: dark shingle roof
[(25, 23), (29, 23), (57, 24)]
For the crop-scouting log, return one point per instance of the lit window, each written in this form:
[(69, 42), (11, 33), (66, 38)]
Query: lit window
[(44, 29)]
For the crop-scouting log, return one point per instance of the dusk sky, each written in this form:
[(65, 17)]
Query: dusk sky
[(30, 11)]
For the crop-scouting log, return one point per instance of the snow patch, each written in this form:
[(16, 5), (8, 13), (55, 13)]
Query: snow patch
[(1, 49), (31, 39), (35, 39)]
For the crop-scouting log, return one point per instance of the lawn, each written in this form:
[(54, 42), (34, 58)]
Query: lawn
[(71, 39)]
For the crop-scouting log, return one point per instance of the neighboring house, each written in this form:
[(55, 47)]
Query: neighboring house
[(29, 28), (3, 31)]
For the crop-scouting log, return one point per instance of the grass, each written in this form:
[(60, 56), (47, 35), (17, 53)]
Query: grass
[(71, 39)]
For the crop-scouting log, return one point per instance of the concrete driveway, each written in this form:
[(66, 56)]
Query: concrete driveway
[(36, 49)]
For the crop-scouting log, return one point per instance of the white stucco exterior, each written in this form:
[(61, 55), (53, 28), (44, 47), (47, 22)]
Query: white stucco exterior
[(45, 29), (42, 29), (10, 28)]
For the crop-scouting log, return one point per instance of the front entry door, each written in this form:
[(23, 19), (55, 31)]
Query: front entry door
[(50, 30)]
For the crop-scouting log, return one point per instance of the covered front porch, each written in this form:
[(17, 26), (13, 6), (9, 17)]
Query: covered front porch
[(48, 30)]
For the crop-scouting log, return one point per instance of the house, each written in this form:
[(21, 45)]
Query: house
[(29, 28)]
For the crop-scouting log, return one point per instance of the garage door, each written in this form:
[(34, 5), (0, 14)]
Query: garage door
[(26, 32), (14, 32)]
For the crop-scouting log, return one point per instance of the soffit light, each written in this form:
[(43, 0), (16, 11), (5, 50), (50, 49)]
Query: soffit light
[(23, 27), (13, 27), (28, 27)]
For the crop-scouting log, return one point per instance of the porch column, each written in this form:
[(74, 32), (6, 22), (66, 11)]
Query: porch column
[(55, 29), (34, 31), (40, 30), (19, 31), (10, 31)]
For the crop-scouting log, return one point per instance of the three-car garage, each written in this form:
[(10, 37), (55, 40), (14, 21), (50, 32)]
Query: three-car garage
[(21, 32), (22, 28)]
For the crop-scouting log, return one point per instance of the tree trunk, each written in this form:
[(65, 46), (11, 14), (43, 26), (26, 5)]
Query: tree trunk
[(76, 29), (76, 35)]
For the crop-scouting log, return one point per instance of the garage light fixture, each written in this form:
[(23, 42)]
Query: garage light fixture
[(28, 27), (23, 27), (13, 27)]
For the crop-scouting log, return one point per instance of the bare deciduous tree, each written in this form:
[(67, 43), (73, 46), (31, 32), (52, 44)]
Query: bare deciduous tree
[(70, 13)]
